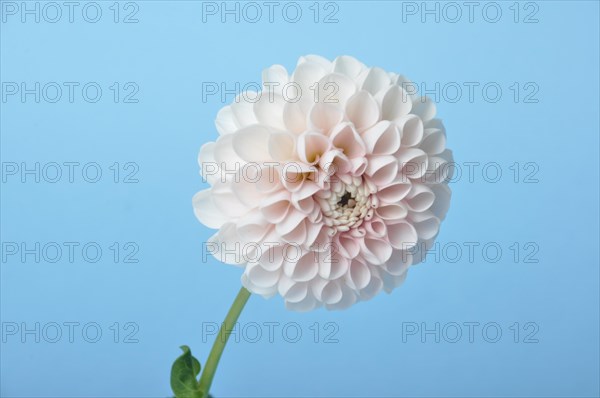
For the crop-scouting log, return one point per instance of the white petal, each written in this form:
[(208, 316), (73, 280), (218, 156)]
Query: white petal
[(347, 245), (306, 75), (324, 117), (243, 108), (282, 146), (227, 201), (294, 117), (394, 192), (402, 235), (206, 211), (359, 165), (348, 299), (290, 290), (442, 200), (438, 170), (265, 292), (252, 227), (375, 80), (252, 143), (345, 137), (275, 76), (411, 129), (333, 162), (261, 277), (271, 258), (412, 162), (267, 179), (291, 221), (375, 251), (246, 192), (307, 189), (316, 59), (209, 168), (226, 247), (338, 266), (329, 292), (348, 66), (376, 228), (399, 263), (395, 104), (372, 289), (382, 169), (434, 141), (296, 236), (225, 155), (309, 303), (420, 198), (426, 224), (424, 108), (275, 207), (391, 282), (269, 110), (392, 212), (335, 89), (383, 138), (359, 275), (311, 146), (304, 269), (362, 110), (226, 121)]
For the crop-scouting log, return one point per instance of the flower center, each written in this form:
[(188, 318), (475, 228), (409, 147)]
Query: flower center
[(344, 201), (345, 205)]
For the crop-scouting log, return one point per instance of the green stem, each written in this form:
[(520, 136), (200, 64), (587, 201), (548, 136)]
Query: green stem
[(219, 345)]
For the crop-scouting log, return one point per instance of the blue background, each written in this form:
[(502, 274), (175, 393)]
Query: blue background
[(171, 291)]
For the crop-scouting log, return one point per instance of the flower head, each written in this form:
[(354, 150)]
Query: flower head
[(326, 185)]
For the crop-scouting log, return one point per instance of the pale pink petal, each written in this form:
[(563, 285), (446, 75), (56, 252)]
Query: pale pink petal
[(335, 89), (345, 137), (424, 107), (420, 198), (269, 110), (276, 207), (311, 146), (411, 130), (412, 162), (382, 139), (252, 143), (226, 121), (206, 211), (304, 269), (395, 103), (402, 235), (348, 66), (362, 110), (375, 80), (282, 146), (382, 170)]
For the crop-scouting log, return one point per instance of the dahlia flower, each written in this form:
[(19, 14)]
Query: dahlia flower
[(327, 185)]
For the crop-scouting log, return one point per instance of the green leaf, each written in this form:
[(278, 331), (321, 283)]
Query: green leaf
[(184, 371)]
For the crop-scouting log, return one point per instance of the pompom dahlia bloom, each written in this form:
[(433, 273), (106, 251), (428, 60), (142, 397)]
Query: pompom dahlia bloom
[(327, 185)]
